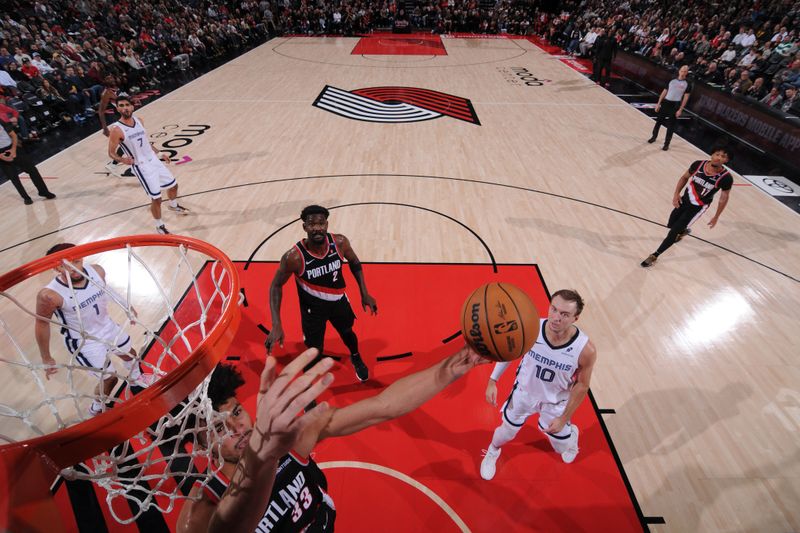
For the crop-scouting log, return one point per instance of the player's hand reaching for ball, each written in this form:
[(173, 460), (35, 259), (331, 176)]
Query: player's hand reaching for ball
[(368, 302), (465, 360), (281, 397), (275, 337), (491, 392)]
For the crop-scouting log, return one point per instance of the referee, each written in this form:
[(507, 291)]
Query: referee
[(670, 105)]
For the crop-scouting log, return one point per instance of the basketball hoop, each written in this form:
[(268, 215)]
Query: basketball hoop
[(178, 347)]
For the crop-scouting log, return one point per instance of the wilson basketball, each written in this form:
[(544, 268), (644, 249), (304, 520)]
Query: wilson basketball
[(500, 321)]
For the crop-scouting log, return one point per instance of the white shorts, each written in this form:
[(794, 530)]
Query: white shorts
[(93, 354), (154, 177), (520, 406)]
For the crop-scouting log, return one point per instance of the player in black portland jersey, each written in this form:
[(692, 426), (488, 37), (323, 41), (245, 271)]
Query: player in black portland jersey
[(693, 195), (316, 263), (268, 482)]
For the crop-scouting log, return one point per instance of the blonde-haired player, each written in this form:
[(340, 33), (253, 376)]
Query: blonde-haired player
[(552, 380)]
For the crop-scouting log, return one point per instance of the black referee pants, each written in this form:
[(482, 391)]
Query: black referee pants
[(666, 115), (22, 163)]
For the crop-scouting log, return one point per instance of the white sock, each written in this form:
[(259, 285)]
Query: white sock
[(159, 223), (173, 203), (97, 406)]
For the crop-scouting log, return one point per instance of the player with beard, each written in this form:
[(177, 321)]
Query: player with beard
[(316, 263), (128, 133)]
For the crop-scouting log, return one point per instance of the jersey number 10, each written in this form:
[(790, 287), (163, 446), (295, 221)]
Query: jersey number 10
[(545, 374)]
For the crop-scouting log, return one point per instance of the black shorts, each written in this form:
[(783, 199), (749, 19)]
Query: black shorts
[(316, 313), (685, 215)]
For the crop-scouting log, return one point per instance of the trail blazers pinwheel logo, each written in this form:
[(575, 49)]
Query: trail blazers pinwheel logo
[(395, 104)]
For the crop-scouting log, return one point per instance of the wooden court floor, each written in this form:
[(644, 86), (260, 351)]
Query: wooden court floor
[(698, 356)]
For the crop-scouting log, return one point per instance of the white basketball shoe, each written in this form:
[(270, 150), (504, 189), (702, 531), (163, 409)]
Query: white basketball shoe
[(489, 463), (571, 453)]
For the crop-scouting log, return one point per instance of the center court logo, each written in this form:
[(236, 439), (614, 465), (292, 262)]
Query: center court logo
[(395, 104)]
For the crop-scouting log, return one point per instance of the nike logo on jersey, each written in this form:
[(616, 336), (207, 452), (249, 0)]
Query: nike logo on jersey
[(309, 262)]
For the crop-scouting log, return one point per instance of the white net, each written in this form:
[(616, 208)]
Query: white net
[(126, 318)]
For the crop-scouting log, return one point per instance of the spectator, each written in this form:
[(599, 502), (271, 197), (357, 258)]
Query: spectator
[(773, 99), (789, 76), (50, 95), (789, 101), (78, 90), (5, 57), (588, 42), (20, 56), (7, 83), (743, 84), (749, 39), (713, 75), (778, 37), (31, 71), (41, 65), (758, 90), (728, 54), (22, 82)]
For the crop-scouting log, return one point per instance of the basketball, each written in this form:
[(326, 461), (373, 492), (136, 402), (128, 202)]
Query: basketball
[(500, 321)]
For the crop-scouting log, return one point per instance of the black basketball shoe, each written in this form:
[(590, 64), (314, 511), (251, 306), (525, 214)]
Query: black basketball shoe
[(362, 372)]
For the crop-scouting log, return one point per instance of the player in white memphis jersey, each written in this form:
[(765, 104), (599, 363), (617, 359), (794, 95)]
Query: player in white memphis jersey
[(128, 134), (78, 299), (552, 380)]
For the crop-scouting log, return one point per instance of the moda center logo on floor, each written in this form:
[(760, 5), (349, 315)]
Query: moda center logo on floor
[(521, 76), (395, 105)]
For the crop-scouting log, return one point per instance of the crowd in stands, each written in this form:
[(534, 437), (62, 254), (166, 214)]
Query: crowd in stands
[(744, 47), (56, 56)]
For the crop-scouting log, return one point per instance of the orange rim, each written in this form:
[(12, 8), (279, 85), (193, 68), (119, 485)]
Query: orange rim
[(92, 437)]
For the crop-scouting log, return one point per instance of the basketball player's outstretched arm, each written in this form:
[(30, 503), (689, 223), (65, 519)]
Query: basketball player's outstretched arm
[(47, 302), (281, 398), (579, 388), (290, 264), (367, 301), (399, 398)]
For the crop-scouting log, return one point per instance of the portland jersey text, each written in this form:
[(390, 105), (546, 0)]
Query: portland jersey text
[(702, 187), (321, 276), (299, 501)]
